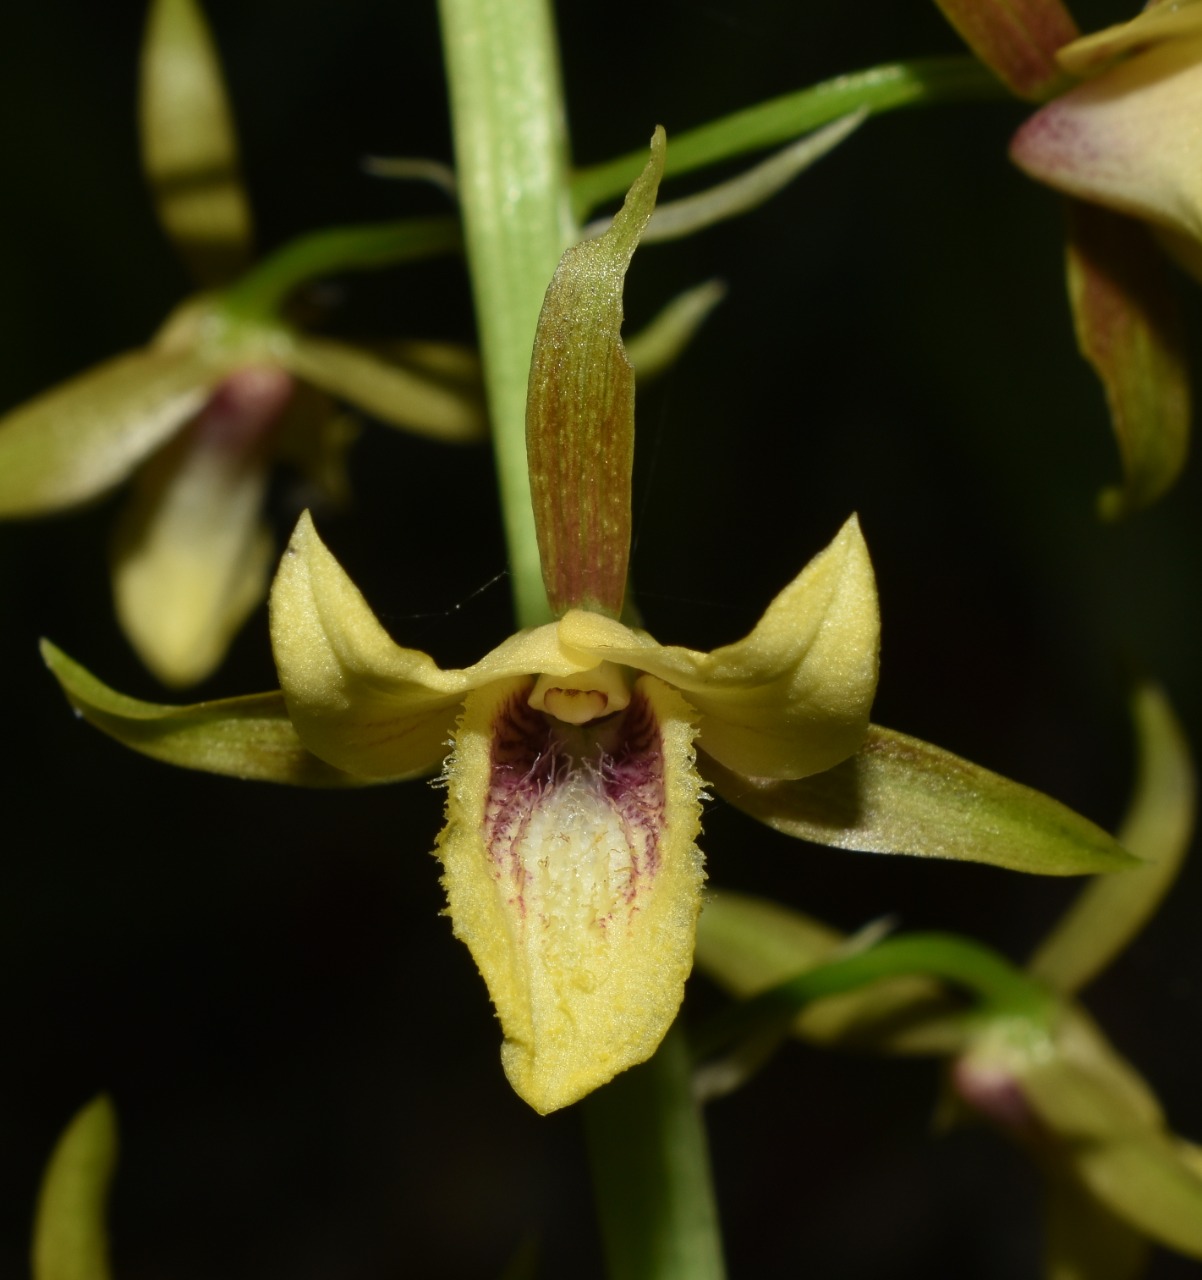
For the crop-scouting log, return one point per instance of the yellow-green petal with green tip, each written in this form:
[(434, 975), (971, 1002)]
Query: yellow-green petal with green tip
[(70, 1235), (793, 697), (189, 147), (357, 698), (248, 737), (576, 887), (900, 795), (82, 438), (1157, 828), (399, 396)]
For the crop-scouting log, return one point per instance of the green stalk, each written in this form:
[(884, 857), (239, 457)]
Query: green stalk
[(511, 154), (651, 1172), (260, 293), (923, 81)]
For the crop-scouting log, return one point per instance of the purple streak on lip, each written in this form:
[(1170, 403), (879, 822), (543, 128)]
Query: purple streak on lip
[(633, 778), (532, 754)]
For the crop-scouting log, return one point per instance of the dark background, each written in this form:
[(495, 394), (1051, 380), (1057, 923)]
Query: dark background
[(303, 1060)]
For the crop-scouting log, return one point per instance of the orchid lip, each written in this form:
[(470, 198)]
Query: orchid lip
[(572, 874)]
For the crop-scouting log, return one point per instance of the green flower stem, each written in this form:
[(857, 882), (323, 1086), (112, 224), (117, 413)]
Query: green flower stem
[(922, 81), (1000, 988), (511, 154), (263, 290), (651, 1172)]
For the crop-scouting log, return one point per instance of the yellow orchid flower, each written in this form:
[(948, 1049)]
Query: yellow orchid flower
[(573, 794), (1125, 138), (224, 390), (575, 752)]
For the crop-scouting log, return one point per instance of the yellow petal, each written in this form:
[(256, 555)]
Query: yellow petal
[(793, 697), (574, 880), (1165, 22), (1125, 139), (189, 149), (358, 699), (192, 554), (80, 439)]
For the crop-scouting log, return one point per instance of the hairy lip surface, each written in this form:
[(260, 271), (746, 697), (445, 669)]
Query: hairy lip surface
[(573, 815)]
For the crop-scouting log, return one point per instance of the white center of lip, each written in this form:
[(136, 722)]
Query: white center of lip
[(578, 864)]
